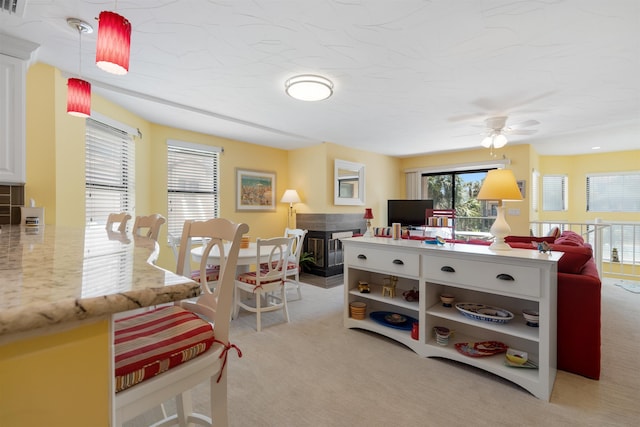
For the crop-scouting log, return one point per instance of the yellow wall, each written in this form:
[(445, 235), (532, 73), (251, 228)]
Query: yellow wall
[(59, 185), (577, 168), (57, 380)]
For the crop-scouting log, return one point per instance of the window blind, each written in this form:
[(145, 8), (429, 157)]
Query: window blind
[(613, 192), (535, 177), (192, 184), (109, 172), (554, 193)]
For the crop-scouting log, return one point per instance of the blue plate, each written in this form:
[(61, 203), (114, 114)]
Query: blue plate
[(381, 317)]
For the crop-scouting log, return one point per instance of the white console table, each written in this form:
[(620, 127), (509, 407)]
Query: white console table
[(513, 280)]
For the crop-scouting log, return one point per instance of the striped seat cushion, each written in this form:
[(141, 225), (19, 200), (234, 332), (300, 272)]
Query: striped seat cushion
[(153, 342), (213, 274), (250, 278)]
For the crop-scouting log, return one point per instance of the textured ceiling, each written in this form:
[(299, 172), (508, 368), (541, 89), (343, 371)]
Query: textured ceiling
[(410, 76)]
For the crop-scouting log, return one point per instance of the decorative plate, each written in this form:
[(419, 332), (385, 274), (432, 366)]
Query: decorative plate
[(484, 312), (481, 349), (395, 318), (381, 317)]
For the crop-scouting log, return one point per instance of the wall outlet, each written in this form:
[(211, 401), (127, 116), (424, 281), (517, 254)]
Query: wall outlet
[(514, 212)]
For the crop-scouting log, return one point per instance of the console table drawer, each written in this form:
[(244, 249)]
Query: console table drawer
[(392, 262), (513, 279)]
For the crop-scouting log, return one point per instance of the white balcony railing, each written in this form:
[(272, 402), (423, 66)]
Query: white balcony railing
[(616, 245)]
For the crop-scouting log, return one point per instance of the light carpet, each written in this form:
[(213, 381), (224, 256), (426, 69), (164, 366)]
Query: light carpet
[(629, 286), (314, 372)]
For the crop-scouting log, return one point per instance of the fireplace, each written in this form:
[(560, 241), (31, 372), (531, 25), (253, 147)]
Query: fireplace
[(323, 239)]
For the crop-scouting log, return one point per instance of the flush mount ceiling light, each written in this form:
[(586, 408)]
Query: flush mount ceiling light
[(309, 87)]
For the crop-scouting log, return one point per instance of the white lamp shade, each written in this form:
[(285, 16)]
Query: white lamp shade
[(499, 141), (290, 196), (486, 142)]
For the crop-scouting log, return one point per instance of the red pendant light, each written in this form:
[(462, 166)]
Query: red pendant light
[(78, 97), (114, 43), (78, 90)]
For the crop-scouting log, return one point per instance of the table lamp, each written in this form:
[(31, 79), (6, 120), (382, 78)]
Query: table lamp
[(500, 185), (368, 215), (291, 197)]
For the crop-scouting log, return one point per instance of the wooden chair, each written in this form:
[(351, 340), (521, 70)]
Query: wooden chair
[(262, 282), (212, 271), (293, 267), (148, 226), (118, 218), (209, 315)]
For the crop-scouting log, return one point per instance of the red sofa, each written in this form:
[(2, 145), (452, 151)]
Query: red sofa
[(579, 302)]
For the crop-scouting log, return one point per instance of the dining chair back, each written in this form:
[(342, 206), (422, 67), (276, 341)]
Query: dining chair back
[(212, 271), (119, 219), (170, 350), (293, 267), (148, 226), (266, 284)]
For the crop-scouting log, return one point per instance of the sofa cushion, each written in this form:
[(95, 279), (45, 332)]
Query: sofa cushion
[(570, 238), (155, 341), (554, 232)]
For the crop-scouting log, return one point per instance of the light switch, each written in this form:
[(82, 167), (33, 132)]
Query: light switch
[(514, 212)]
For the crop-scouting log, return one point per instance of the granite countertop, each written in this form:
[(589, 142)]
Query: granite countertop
[(51, 275)]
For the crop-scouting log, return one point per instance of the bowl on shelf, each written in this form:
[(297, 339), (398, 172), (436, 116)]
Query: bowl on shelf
[(517, 357), (447, 300), (531, 316), (358, 310)]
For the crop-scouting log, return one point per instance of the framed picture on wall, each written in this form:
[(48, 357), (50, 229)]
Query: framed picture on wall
[(255, 190)]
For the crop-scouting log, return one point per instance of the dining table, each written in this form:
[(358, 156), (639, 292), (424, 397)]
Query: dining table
[(60, 290), (246, 256)]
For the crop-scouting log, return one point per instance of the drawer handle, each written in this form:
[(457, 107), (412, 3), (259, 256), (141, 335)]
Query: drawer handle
[(448, 269), (362, 256), (398, 262), (504, 276)]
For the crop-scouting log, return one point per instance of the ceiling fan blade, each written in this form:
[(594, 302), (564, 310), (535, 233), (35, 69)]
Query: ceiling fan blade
[(524, 124), (520, 131)]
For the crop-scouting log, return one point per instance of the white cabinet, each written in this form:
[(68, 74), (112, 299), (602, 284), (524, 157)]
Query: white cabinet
[(512, 280), (14, 57)]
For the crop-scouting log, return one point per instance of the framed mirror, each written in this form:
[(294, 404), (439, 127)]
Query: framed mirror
[(348, 183)]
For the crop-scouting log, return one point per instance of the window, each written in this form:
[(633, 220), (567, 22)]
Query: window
[(109, 187), (613, 192), (554, 193), (458, 190), (192, 184), (110, 172)]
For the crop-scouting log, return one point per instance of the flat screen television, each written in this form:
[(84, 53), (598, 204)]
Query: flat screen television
[(409, 213)]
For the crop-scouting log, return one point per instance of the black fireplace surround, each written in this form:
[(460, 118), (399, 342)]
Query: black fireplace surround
[(323, 239)]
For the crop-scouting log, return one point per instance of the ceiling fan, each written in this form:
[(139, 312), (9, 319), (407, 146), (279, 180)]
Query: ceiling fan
[(496, 130)]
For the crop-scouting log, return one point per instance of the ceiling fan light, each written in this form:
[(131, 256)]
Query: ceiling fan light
[(499, 141), (486, 142), (309, 87), (114, 43)]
